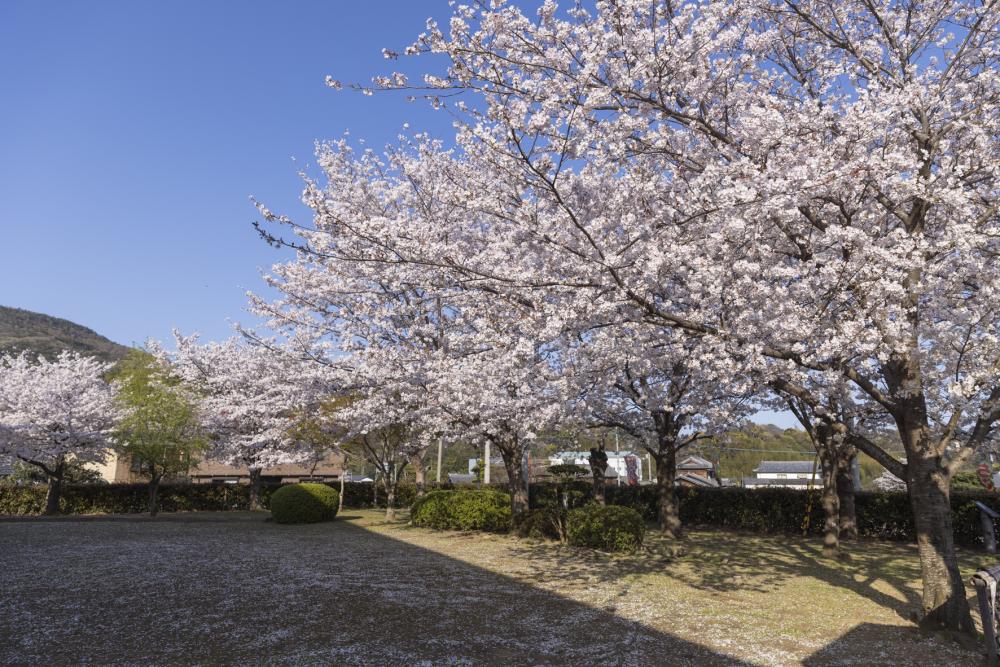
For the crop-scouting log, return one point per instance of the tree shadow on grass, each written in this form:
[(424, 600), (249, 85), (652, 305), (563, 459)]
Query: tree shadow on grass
[(251, 592), (722, 561)]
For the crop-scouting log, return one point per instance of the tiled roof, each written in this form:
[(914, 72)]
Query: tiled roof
[(695, 463), (784, 466)]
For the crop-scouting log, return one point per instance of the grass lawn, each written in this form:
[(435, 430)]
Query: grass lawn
[(213, 588)]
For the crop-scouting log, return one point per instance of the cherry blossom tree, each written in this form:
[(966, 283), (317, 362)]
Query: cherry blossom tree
[(667, 396), (252, 397), (53, 412), (427, 356), (821, 175)]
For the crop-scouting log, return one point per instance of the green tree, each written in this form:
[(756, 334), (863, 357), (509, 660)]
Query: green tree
[(159, 427)]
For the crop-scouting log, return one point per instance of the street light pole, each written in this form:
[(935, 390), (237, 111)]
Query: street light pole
[(440, 454)]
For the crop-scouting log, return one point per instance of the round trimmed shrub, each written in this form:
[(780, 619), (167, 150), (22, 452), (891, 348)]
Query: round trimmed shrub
[(470, 509), (304, 503), (605, 527)]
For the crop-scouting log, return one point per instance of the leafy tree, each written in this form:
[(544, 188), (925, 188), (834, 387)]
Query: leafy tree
[(159, 428)]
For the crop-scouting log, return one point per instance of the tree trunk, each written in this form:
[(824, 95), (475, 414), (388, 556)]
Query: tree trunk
[(512, 456), (845, 492), (54, 491), (154, 487), (419, 472), (340, 500), (944, 602), (831, 505), (255, 504), (668, 508), (390, 482)]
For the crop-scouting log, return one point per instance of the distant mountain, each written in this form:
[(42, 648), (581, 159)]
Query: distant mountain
[(47, 335)]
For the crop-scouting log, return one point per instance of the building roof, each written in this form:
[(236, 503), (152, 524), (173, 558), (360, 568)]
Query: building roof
[(784, 466), (697, 480), (803, 482), (695, 463)]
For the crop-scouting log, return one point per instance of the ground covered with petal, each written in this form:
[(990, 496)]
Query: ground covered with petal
[(234, 588)]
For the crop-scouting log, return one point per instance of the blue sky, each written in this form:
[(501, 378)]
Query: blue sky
[(132, 135)]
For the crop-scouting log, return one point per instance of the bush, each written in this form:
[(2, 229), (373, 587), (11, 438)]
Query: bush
[(463, 510), (304, 503), (605, 527), (541, 524)]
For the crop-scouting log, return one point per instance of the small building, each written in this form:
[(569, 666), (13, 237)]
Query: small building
[(788, 474), (695, 471), (123, 469)]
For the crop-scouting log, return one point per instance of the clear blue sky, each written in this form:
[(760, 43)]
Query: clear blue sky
[(132, 135)]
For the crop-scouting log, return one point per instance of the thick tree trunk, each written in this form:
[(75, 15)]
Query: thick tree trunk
[(154, 488), (831, 506), (255, 503), (515, 478), (845, 493), (944, 602), (53, 492), (669, 515)]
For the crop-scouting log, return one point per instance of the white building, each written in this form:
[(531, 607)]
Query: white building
[(618, 463), (790, 474)]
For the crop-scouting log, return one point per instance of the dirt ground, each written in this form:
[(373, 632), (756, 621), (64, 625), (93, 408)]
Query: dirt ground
[(213, 588)]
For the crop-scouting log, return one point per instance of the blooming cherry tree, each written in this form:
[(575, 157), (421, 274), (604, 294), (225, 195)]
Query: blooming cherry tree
[(53, 412), (251, 397), (811, 184)]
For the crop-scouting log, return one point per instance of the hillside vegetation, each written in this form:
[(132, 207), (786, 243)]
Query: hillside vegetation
[(47, 335)]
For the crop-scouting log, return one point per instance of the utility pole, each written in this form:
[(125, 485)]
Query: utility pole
[(618, 460), (440, 454), (486, 463)]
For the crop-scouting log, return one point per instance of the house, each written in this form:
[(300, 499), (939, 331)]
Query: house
[(6, 466), (788, 474), (695, 471), (123, 469), (618, 464)]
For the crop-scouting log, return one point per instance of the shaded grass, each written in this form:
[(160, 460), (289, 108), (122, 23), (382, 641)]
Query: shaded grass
[(232, 588)]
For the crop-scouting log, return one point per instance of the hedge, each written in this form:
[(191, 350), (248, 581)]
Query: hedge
[(881, 515), (304, 503), (466, 509), (134, 498), (605, 527)]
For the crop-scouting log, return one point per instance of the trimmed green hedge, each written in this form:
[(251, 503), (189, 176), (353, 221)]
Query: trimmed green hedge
[(770, 510), (605, 527), (304, 503), (470, 509), (134, 498)]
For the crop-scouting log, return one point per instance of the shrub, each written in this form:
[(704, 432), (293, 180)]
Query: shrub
[(304, 503), (431, 510), (463, 510), (542, 524), (605, 527)]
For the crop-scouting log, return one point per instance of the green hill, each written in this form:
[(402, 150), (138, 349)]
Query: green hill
[(47, 335)]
